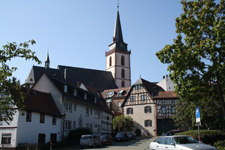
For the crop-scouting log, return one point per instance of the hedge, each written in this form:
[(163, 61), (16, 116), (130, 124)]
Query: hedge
[(207, 136)]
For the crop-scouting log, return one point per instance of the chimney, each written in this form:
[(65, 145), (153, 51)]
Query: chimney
[(65, 70), (27, 88)]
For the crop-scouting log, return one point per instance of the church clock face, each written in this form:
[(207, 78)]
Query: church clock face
[(112, 46)]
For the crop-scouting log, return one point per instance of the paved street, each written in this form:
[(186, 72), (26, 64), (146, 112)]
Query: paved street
[(137, 144)]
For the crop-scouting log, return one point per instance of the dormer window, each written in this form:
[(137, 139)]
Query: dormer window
[(85, 95), (75, 92), (65, 88), (95, 100)]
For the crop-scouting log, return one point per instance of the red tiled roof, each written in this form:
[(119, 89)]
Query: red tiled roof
[(41, 102), (166, 94)]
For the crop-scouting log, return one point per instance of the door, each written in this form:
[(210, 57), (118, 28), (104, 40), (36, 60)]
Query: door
[(138, 132), (41, 138), (53, 138)]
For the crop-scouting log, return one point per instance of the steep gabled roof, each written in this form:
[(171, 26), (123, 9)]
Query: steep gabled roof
[(41, 102), (98, 79)]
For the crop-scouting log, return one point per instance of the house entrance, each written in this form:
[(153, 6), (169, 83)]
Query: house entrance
[(138, 132)]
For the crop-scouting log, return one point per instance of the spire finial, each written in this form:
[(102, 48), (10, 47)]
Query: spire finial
[(118, 5)]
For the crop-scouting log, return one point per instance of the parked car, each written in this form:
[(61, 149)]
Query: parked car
[(131, 135), (106, 139), (177, 142), (172, 132), (121, 136), (90, 141)]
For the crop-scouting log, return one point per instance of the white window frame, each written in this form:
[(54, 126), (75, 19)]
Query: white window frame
[(65, 88), (97, 129), (143, 97), (75, 92), (54, 120), (6, 138), (163, 108), (87, 111), (119, 103), (67, 125), (68, 106), (85, 95), (97, 114), (132, 98)]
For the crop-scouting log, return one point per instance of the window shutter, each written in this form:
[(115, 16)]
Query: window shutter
[(131, 110), (150, 109), (144, 109), (150, 123), (127, 110), (145, 123)]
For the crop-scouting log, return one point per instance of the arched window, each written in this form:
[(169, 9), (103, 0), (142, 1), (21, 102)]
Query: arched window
[(122, 83), (122, 73), (110, 61), (122, 60)]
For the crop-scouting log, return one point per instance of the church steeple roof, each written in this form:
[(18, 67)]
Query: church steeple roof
[(47, 62), (118, 36)]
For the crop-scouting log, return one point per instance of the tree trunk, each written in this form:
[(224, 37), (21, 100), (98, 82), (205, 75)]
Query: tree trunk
[(221, 95)]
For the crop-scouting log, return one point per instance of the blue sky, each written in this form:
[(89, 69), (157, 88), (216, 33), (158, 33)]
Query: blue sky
[(78, 32)]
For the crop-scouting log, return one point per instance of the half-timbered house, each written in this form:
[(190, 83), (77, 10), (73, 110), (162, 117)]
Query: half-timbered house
[(139, 104), (165, 102)]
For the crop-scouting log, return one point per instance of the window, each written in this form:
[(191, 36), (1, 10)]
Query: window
[(91, 126), (65, 88), (110, 61), (42, 118), (163, 109), (74, 125), (119, 103), (97, 129), (53, 120), (148, 123), (95, 100), (6, 138), (137, 87), (143, 97), (148, 109), (163, 101), (173, 109), (41, 138), (87, 111), (97, 114), (67, 106), (85, 95), (122, 60), (75, 92), (122, 73), (122, 84), (121, 92), (67, 125), (91, 111), (74, 107), (28, 116), (172, 101), (87, 125), (129, 110), (132, 98)]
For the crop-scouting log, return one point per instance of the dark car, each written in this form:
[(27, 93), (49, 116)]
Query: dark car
[(131, 135), (172, 132), (106, 139), (121, 136)]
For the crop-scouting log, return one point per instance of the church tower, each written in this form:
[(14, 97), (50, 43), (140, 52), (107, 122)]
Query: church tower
[(118, 57), (47, 62)]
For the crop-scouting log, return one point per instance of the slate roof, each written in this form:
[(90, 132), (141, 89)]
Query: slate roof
[(41, 102), (98, 79), (165, 95)]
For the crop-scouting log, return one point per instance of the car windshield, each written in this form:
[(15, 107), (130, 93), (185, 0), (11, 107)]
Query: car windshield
[(120, 134), (103, 136), (185, 140), (85, 137)]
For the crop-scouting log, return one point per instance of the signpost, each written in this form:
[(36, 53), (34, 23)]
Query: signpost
[(198, 120)]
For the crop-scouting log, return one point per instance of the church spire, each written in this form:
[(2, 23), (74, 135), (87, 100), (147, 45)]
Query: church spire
[(47, 62), (118, 36)]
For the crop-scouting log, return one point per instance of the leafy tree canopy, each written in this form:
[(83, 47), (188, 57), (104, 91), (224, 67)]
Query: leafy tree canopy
[(11, 96), (197, 56), (123, 123)]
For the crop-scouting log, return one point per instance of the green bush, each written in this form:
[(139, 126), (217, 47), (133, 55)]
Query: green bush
[(207, 136), (220, 145), (75, 135)]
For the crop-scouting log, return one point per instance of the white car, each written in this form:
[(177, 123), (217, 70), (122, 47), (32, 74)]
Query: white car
[(179, 142)]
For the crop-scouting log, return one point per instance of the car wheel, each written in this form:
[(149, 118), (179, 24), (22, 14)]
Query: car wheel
[(94, 145)]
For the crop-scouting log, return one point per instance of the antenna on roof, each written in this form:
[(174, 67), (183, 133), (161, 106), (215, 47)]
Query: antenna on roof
[(118, 5)]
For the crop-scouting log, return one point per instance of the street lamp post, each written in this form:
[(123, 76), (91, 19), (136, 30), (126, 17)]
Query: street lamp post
[(107, 118)]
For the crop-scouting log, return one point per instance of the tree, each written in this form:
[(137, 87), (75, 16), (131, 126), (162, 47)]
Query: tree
[(197, 56), (11, 95), (123, 123)]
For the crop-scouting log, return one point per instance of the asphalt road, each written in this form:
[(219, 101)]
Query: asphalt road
[(139, 143)]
